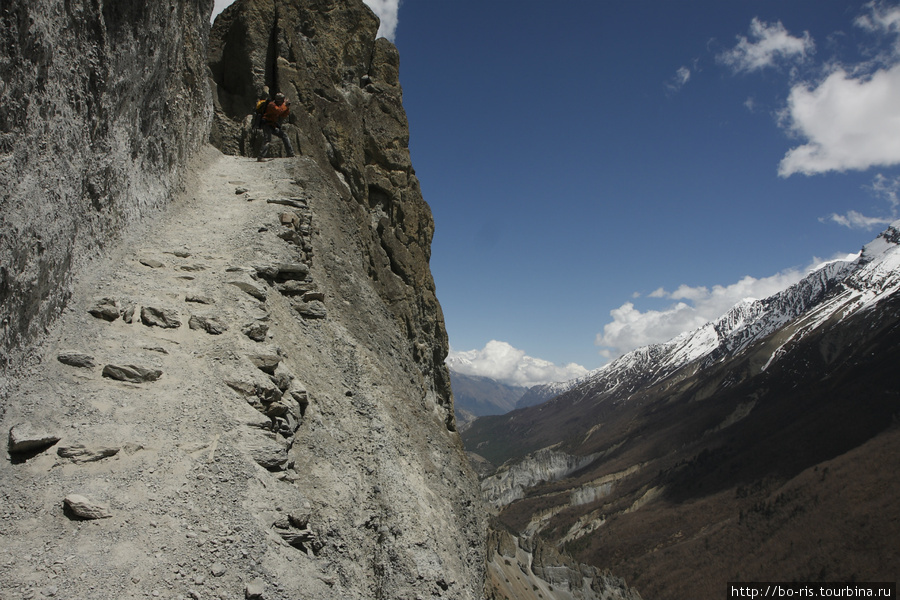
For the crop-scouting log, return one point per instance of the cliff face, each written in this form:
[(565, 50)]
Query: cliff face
[(347, 115), (102, 104)]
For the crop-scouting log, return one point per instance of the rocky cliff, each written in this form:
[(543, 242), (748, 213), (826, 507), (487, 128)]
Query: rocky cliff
[(347, 115), (244, 395), (101, 104)]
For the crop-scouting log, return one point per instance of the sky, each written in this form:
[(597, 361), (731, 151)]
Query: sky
[(608, 174)]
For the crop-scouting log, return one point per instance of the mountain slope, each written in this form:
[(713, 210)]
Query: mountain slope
[(714, 436), (482, 396)]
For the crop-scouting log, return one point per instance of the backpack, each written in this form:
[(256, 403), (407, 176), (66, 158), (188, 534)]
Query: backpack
[(260, 110)]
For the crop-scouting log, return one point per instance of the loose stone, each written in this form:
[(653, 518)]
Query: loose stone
[(131, 373), (76, 359), (25, 438), (86, 509)]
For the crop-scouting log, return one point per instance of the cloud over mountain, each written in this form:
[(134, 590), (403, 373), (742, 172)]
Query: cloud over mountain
[(504, 363), (693, 307)]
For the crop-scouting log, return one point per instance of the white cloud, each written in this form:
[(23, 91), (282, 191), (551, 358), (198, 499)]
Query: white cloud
[(851, 119), (882, 19), (883, 188), (385, 9), (855, 220), (679, 80), (504, 363), (771, 44), (631, 328), (849, 122), (887, 189)]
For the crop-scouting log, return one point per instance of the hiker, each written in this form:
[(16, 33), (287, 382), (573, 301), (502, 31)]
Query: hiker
[(272, 115)]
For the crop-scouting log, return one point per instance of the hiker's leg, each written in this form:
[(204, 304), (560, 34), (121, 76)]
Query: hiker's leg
[(287, 142), (267, 137)]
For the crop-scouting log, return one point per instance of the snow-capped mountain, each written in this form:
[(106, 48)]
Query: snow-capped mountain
[(840, 287)]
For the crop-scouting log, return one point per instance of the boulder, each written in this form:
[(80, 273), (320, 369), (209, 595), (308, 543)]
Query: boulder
[(106, 309), (210, 325), (131, 373), (267, 363), (255, 589), (253, 290), (152, 263), (160, 317), (311, 310), (83, 508), (23, 437), (79, 453), (256, 331), (76, 359)]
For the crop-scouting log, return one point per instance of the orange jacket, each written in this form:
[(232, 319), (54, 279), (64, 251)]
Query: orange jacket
[(275, 113)]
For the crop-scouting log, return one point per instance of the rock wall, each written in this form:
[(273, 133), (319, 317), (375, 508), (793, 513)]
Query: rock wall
[(102, 104), (347, 115), (510, 482)]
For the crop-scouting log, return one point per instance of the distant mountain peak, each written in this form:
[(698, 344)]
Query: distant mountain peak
[(876, 269)]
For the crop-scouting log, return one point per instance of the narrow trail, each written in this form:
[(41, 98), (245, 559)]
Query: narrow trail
[(230, 392), (165, 457)]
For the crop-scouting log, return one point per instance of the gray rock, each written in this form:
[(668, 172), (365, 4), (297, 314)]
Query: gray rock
[(86, 509), (311, 310), (242, 387), (267, 363), (256, 331), (270, 454), (298, 538), (253, 290), (295, 288), (79, 453), (23, 437), (294, 202), (152, 263), (131, 373), (255, 589), (76, 359), (210, 325), (277, 409), (289, 219), (160, 317), (292, 272), (106, 309), (194, 267), (217, 569), (199, 299)]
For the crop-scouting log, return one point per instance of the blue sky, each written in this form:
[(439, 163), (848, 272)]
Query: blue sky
[(605, 174)]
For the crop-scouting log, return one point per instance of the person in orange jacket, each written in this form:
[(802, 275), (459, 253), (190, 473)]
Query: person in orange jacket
[(275, 112)]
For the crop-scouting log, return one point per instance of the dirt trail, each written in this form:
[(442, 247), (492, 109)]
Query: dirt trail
[(189, 510), (282, 438)]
